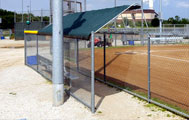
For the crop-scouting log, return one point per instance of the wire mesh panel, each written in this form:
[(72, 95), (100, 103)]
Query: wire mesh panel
[(31, 50), (20, 27), (45, 56), (126, 64), (169, 72), (78, 69)]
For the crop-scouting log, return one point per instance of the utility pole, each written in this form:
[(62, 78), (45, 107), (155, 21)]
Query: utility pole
[(160, 17), (58, 54)]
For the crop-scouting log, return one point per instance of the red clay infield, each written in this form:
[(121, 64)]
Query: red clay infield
[(128, 66)]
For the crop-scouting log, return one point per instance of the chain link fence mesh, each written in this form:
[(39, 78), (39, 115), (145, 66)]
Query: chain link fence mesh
[(124, 65)]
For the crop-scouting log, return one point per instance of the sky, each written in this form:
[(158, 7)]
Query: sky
[(170, 8)]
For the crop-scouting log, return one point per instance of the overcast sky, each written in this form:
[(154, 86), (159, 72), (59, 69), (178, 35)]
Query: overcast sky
[(171, 8)]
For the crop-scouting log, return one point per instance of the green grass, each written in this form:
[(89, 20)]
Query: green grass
[(12, 93), (168, 115), (99, 112), (149, 115)]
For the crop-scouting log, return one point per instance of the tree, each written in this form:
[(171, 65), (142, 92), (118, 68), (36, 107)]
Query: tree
[(7, 19), (155, 22), (177, 19)]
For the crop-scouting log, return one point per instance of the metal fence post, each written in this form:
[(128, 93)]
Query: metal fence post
[(25, 48), (104, 57), (149, 92), (37, 53), (77, 54), (58, 54), (92, 74), (14, 16)]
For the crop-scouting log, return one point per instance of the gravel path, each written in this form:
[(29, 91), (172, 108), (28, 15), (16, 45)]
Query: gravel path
[(25, 95)]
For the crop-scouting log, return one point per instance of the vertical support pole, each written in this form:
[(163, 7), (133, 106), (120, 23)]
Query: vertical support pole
[(41, 15), (115, 24), (77, 54), (92, 74), (142, 23), (30, 12), (149, 75), (85, 5), (58, 54), (22, 11), (75, 6), (105, 57), (160, 17), (14, 16), (25, 48), (37, 45), (50, 19)]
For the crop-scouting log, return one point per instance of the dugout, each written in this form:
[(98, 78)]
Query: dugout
[(80, 30), (80, 71)]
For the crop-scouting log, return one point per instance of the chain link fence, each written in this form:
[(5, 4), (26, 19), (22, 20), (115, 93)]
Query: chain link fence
[(155, 70), (77, 72)]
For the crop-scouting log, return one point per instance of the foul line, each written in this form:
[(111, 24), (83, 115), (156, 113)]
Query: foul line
[(139, 53), (170, 58)]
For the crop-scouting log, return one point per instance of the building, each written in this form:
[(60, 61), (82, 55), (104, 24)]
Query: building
[(149, 14)]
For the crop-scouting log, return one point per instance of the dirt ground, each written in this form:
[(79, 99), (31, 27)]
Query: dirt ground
[(24, 94), (128, 67)]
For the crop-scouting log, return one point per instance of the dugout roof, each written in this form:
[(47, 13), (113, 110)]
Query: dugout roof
[(80, 25)]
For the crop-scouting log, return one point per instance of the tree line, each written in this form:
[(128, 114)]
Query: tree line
[(8, 18)]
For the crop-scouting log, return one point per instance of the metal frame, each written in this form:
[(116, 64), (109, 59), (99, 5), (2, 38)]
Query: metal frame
[(92, 74), (104, 56)]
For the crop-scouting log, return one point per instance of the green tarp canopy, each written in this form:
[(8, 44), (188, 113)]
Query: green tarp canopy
[(80, 25)]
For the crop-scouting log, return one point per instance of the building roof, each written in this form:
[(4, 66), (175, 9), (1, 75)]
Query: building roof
[(139, 11), (80, 25)]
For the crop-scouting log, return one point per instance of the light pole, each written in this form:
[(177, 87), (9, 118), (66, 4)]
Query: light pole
[(58, 54), (85, 5), (75, 5), (22, 11), (0, 4), (30, 10), (142, 22), (50, 19), (115, 4), (160, 17)]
